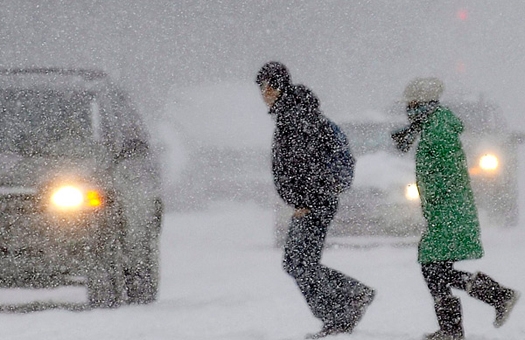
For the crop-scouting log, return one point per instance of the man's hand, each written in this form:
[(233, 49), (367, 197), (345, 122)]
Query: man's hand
[(298, 213)]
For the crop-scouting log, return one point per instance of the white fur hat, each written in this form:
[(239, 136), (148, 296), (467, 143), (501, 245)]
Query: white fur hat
[(423, 90)]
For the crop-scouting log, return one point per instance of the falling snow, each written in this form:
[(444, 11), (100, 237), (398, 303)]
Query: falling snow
[(203, 134)]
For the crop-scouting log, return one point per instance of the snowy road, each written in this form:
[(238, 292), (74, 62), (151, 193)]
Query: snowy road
[(222, 280)]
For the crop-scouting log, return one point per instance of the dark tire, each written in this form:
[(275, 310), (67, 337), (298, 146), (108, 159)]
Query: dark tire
[(142, 279), (105, 279)]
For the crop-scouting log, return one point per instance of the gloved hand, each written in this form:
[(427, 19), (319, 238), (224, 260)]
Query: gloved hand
[(404, 138)]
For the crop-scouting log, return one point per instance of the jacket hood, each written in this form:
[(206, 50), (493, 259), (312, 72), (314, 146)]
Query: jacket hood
[(297, 102), (423, 90)]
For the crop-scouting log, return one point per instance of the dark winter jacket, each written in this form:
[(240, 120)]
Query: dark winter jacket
[(447, 200), (302, 143)]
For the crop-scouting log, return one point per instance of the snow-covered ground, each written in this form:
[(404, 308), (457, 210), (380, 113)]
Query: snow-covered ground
[(221, 279)]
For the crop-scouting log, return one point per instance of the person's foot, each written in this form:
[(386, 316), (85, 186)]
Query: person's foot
[(440, 335), (357, 309), (361, 304), (503, 310), (330, 330)]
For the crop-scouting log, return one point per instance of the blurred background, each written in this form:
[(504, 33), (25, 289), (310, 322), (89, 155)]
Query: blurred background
[(190, 64), (356, 55)]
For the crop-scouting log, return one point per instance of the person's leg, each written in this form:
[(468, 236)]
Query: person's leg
[(439, 277), (486, 289), (346, 297), (302, 254), (341, 300)]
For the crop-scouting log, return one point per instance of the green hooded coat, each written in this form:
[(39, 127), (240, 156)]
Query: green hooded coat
[(447, 200)]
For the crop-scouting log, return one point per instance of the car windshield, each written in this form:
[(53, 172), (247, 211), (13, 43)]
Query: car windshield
[(35, 122)]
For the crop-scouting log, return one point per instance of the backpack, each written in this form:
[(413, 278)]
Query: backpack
[(341, 163)]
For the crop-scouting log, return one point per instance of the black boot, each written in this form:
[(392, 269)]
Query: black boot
[(484, 288), (448, 312), (352, 315)]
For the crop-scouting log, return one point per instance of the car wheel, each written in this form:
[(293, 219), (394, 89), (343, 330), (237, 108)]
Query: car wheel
[(142, 279), (105, 280)]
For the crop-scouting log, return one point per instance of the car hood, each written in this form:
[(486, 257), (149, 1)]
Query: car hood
[(383, 170), (30, 172)]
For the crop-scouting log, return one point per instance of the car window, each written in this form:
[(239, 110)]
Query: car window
[(130, 121), (365, 138), (479, 116), (35, 120)]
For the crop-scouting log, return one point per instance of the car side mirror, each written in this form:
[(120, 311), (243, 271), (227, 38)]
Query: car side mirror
[(133, 148)]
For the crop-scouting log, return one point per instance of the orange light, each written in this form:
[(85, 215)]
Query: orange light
[(72, 198), (93, 198), (474, 171)]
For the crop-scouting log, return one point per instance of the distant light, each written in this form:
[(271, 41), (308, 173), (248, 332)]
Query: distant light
[(461, 67), (411, 192), (488, 162), (462, 14)]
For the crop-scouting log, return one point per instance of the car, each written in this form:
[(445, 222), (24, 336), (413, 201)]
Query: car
[(384, 200), (491, 147), (80, 199)]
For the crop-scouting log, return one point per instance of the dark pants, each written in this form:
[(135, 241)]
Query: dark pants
[(329, 293), (441, 277)]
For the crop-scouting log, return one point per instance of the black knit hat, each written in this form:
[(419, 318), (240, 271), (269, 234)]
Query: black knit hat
[(275, 73)]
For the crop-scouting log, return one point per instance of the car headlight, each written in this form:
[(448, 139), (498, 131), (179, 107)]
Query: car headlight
[(488, 162), (74, 197), (411, 192)]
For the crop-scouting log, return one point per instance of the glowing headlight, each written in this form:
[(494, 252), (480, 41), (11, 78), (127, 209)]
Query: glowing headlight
[(488, 162), (71, 198), (67, 197), (411, 192)]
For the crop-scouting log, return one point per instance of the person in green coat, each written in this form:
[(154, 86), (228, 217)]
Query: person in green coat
[(449, 208)]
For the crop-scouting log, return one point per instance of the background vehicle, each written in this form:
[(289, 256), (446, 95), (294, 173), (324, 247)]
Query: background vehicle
[(492, 154), (79, 187), (384, 199), (222, 135), (380, 201)]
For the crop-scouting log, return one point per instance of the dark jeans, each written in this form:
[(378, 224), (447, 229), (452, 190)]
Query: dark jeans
[(441, 277), (329, 293)]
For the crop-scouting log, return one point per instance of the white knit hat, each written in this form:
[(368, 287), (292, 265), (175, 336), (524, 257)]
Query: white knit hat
[(423, 90)]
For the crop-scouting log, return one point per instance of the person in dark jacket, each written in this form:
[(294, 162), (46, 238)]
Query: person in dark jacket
[(302, 143), (447, 200)]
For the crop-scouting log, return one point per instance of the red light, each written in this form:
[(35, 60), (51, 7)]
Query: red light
[(461, 67), (462, 14)]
